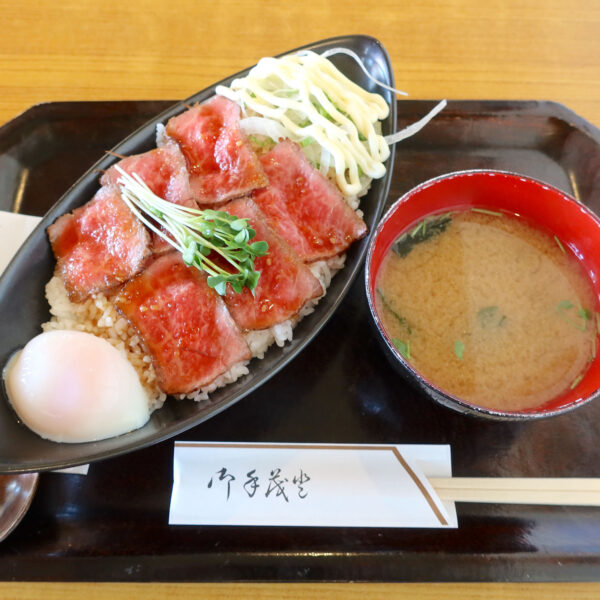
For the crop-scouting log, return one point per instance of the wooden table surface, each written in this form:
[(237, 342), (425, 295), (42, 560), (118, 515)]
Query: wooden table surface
[(459, 49)]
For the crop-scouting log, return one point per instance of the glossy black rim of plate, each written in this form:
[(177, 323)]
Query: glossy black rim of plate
[(25, 308)]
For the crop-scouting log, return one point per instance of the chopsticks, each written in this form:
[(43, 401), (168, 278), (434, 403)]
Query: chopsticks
[(519, 490)]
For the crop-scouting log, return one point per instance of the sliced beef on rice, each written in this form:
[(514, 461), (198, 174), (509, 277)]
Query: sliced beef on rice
[(184, 324), (304, 207), (285, 283), (220, 160), (99, 245), (164, 171)]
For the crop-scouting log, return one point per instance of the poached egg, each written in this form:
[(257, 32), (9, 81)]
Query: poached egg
[(71, 386)]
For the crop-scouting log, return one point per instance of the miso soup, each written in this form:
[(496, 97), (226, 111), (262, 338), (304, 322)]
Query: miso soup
[(489, 308)]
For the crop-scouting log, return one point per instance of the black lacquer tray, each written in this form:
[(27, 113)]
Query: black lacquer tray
[(111, 525)]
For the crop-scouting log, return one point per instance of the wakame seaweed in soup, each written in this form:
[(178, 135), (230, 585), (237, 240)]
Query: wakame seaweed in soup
[(488, 308)]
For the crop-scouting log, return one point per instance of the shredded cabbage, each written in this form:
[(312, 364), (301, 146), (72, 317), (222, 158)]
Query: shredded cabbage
[(316, 105), (305, 98), (263, 126)]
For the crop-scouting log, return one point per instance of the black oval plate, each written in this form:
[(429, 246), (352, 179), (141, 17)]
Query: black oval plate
[(24, 308)]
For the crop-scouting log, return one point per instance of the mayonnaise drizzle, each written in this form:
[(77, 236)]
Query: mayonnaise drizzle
[(315, 102)]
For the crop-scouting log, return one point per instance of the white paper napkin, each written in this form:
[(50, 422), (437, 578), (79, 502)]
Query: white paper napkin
[(14, 229)]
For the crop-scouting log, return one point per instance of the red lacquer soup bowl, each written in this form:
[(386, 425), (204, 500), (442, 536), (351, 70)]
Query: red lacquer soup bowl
[(576, 229)]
